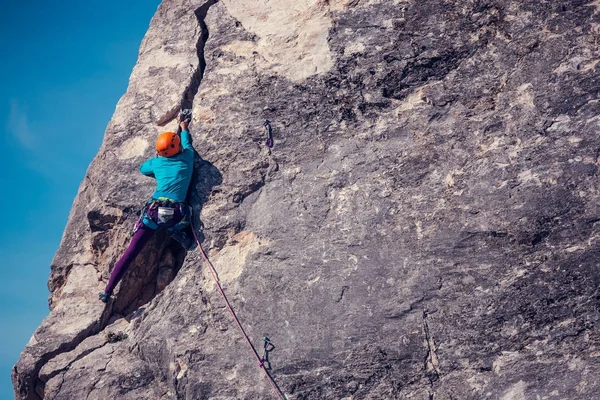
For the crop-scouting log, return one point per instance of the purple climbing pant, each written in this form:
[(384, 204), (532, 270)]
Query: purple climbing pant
[(139, 239), (141, 235)]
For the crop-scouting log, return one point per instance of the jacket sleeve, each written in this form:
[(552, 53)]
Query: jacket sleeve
[(147, 168), (186, 140)]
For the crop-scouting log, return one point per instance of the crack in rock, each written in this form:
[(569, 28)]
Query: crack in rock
[(431, 362), (341, 296)]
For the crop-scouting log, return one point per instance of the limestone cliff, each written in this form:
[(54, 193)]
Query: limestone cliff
[(427, 225)]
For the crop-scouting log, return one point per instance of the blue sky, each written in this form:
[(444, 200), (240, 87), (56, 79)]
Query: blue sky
[(64, 66)]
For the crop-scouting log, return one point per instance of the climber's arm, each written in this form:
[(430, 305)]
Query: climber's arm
[(186, 138), (146, 168)]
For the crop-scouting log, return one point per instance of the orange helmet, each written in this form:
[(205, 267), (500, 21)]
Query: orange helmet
[(167, 144)]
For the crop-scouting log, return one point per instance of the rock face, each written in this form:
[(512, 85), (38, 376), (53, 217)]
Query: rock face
[(427, 225)]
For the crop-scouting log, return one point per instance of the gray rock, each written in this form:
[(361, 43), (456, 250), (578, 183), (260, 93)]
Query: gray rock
[(425, 227)]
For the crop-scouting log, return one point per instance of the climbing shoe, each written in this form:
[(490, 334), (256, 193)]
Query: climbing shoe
[(187, 242), (104, 297)]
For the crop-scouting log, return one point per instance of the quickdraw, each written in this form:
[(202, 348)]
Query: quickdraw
[(267, 347), (267, 124)]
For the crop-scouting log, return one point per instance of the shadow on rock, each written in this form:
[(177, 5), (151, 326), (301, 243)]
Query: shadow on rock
[(206, 177)]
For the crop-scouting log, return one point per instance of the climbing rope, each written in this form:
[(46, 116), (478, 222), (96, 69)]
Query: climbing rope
[(261, 360)]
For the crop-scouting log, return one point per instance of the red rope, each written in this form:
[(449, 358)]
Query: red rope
[(235, 318)]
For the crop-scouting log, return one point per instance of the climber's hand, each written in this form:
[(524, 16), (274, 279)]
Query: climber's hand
[(184, 125)]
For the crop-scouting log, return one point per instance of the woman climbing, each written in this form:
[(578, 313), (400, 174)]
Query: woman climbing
[(172, 168)]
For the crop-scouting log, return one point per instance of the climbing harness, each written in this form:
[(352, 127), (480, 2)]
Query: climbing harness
[(160, 213), (269, 142), (261, 361), (165, 214)]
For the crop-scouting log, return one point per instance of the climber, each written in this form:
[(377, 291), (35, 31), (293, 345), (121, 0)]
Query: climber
[(172, 168)]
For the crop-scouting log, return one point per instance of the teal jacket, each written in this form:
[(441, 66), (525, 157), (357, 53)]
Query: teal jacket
[(173, 174)]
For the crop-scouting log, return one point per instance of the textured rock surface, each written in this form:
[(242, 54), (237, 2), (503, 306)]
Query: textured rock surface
[(426, 226)]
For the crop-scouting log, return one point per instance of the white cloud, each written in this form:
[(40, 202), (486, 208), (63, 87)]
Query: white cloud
[(18, 126)]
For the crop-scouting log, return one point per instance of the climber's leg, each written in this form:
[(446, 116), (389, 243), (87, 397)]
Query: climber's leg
[(139, 239)]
